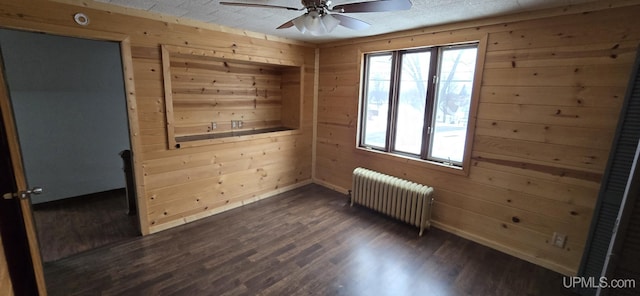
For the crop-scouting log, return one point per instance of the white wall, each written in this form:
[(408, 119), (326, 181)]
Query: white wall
[(69, 105)]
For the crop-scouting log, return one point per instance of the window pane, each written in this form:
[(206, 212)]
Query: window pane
[(377, 100), (455, 81), (414, 78)]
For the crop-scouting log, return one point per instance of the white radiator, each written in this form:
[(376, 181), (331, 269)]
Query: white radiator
[(401, 199)]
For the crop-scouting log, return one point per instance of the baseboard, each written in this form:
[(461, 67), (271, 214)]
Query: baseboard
[(499, 247), (331, 186)]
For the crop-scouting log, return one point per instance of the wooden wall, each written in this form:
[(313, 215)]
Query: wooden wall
[(6, 287), (186, 184), (551, 93)]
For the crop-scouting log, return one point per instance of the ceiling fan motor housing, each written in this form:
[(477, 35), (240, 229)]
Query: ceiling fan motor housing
[(315, 3)]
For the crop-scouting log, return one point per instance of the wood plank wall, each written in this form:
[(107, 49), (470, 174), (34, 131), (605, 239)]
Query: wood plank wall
[(6, 286), (187, 184), (207, 90), (292, 88), (549, 102)]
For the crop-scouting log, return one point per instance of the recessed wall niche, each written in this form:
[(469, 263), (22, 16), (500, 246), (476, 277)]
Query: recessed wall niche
[(211, 98)]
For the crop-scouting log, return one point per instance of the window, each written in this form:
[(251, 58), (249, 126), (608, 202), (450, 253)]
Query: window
[(416, 102)]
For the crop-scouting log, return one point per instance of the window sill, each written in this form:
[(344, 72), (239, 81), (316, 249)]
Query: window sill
[(432, 165)]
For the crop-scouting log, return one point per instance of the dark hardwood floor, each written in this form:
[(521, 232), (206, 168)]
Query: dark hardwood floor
[(304, 242), (78, 224)]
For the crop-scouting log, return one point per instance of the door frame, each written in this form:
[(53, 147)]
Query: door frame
[(14, 242), (134, 131)]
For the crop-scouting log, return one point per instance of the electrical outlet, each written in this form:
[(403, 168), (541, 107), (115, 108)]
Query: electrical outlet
[(559, 239), (240, 123), (234, 124), (214, 125)]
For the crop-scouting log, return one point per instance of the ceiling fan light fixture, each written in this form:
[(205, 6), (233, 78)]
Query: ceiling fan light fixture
[(299, 23), (330, 22), (315, 23), (312, 22)]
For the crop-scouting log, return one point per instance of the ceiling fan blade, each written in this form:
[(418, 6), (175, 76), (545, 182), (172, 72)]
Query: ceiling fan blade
[(351, 23), (260, 5), (373, 6), (288, 24)]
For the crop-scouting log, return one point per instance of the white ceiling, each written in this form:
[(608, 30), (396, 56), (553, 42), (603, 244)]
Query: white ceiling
[(264, 20)]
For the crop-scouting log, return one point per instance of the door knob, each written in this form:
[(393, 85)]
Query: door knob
[(23, 194)]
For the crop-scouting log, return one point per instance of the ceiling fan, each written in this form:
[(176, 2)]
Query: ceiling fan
[(318, 20)]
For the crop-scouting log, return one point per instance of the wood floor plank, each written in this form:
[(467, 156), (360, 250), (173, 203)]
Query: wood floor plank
[(73, 225), (308, 241)]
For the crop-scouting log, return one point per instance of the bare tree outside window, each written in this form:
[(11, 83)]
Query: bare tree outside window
[(411, 102), (456, 72), (377, 100)]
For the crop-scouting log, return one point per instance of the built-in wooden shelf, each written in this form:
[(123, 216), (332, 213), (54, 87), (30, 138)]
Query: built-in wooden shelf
[(210, 96)]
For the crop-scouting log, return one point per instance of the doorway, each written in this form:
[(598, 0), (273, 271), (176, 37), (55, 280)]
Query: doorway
[(69, 107)]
